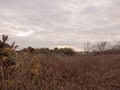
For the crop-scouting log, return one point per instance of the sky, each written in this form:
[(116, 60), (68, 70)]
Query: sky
[(51, 23)]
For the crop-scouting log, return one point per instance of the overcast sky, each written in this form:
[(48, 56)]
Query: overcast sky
[(49, 23)]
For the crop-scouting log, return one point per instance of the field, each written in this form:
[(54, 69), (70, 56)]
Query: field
[(43, 69), (65, 73)]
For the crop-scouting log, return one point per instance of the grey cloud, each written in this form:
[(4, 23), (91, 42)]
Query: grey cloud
[(60, 22)]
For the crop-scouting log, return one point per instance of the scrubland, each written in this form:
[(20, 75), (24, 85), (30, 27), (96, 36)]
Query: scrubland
[(26, 70)]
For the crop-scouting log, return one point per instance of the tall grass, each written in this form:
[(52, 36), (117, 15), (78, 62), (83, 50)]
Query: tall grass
[(64, 73), (29, 70)]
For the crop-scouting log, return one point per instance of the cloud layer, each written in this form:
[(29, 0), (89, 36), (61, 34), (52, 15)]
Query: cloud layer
[(45, 23)]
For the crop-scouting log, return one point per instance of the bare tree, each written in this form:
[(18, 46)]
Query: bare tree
[(87, 47), (116, 48), (100, 47)]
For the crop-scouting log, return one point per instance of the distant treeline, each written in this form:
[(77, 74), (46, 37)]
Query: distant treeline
[(102, 47), (89, 49), (61, 51), (99, 48)]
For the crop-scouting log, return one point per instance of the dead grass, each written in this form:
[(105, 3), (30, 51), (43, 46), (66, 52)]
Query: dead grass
[(65, 73)]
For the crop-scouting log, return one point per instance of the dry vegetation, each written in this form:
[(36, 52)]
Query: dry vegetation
[(45, 71)]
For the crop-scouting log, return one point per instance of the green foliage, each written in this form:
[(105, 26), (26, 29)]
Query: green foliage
[(65, 51), (44, 50), (7, 53), (29, 50)]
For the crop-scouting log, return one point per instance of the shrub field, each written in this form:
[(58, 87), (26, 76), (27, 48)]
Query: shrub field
[(25, 70)]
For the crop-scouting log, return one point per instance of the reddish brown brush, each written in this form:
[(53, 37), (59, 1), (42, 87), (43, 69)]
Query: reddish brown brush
[(65, 73)]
